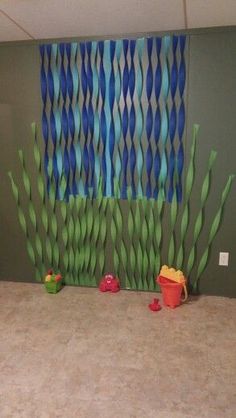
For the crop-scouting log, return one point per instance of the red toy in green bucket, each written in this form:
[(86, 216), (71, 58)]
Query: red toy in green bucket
[(172, 283), (53, 282)]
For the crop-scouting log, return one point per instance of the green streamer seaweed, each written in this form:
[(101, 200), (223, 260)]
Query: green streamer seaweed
[(213, 231), (72, 235), (188, 189)]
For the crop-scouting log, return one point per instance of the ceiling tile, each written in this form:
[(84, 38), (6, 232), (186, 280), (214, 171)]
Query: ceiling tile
[(9, 31), (207, 13), (82, 18)]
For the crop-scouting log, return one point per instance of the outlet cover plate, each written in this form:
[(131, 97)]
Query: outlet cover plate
[(223, 259)]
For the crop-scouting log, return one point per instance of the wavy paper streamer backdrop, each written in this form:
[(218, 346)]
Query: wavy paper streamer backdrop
[(75, 235), (115, 109)]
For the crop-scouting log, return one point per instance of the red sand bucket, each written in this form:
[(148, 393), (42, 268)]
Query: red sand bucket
[(171, 291)]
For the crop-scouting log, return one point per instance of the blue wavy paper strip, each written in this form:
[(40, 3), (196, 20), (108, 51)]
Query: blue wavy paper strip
[(139, 117), (112, 125), (57, 115), (76, 131), (90, 115), (107, 72), (157, 118), (125, 120), (173, 118), (103, 124), (181, 117), (164, 116), (85, 125), (54, 129), (117, 114), (149, 118), (100, 122), (132, 118), (64, 121), (96, 128), (43, 80), (71, 54)]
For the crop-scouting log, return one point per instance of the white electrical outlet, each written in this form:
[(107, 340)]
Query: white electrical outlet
[(223, 259)]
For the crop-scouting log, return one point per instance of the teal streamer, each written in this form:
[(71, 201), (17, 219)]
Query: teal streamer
[(78, 151), (96, 132), (76, 109), (77, 119), (107, 70), (55, 108), (117, 114), (164, 117)]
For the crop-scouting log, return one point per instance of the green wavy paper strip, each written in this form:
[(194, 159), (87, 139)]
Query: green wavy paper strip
[(53, 226), (119, 257), (40, 179), (159, 209), (213, 231), (115, 231), (173, 218), (144, 237), (77, 235), (151, 252), (199, 221), (132, 254), (23, 224), (79, 257), (42, 194), (139, 252), (32, 214), (83, 226), (64, 233), (102, 204), (63, 230), (89, 250), (103, 233), (123, 255), (95, 240), (112, 203), (71, 228), (188, 189)]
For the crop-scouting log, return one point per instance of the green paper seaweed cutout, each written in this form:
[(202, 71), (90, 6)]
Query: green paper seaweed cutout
[(188, 189), (75, 236)]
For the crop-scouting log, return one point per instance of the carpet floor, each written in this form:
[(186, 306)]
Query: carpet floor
[(83, 353)]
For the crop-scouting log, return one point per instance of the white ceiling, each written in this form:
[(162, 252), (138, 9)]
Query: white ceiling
[(42, 19)]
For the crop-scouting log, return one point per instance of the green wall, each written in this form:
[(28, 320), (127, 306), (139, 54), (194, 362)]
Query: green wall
[(210, 103)]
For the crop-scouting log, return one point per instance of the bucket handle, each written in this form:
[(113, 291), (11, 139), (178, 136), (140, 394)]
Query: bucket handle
[(185, 293)]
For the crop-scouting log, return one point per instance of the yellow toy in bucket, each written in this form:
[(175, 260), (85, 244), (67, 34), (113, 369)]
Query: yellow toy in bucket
[(172, 284)]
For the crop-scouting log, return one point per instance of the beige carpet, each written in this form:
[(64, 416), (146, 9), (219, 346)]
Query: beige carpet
[(82, 354)]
